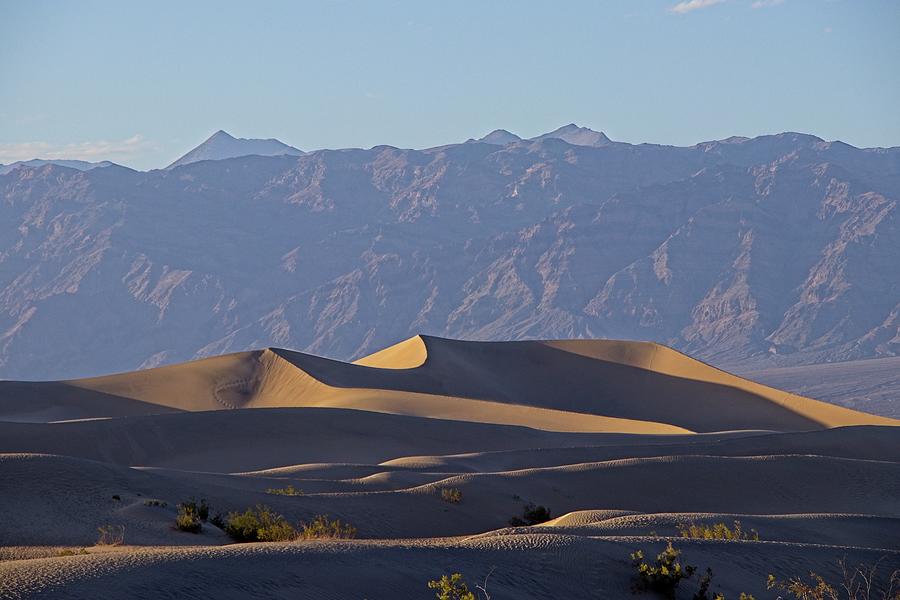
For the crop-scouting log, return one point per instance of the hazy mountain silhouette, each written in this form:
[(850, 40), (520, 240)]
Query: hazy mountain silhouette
[(578, 136), (222, 145), (81, 165)]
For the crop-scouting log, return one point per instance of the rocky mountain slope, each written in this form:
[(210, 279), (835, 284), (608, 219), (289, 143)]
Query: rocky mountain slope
[(780, 249)]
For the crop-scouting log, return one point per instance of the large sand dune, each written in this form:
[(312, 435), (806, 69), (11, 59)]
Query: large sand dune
[(623, 441), (593, 385)]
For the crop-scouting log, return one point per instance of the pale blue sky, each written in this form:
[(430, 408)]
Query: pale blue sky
[(141, 83)]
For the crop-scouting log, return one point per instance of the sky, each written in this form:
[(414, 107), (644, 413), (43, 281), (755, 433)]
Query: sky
[(141, 83)]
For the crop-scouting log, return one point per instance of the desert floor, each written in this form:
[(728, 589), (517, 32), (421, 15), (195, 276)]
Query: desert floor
[(624, 442)]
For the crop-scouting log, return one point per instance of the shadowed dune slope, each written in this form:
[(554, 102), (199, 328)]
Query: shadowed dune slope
[(527, 567), (578, 386), (264, 438), (631, 380)]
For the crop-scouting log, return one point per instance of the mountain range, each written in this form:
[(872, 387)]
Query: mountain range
[(80, 165), (772, 251)]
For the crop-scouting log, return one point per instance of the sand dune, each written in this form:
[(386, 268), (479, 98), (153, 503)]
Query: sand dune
[(593, 385), (623, 441)]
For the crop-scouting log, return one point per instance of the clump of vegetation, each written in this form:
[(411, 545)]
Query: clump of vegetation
[(288, 490), (717, 531), (665, 574), (111, 535), (531, 515), (451, 587), (454, 587), (259, 524), (858, 583), (188, 519), (116, 497), (451, 495), (321, 527), (154, 502), (200, 508), (72, 552)]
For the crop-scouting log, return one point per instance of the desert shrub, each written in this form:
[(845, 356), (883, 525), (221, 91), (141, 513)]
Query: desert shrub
[(116, 497), (665, 575), (451, 495), (288, 490), (154, 502), (321, 527), (259, 524), (201, 509), (531, 515), (188, 518), (451, 588), (111, 535), (72, 552), (717, 531), (858, 583)]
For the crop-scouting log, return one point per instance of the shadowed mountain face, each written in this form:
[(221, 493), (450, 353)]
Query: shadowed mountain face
[(778, 249)]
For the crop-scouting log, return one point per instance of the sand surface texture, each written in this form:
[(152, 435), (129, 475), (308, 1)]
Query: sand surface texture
[(624, 442)]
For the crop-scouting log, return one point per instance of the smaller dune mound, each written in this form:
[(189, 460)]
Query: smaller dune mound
[(408, 354), (862, 530)]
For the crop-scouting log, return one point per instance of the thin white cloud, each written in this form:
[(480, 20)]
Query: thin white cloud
[(766, 3), (691, 5), (92, 151)]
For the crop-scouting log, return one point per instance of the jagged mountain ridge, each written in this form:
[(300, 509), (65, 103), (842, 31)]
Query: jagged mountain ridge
[(774, 249), (80, 165)]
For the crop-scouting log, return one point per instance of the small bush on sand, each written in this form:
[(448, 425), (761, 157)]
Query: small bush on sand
[(155, 502), (717, 531), (664, 575), (451, 495), (111, 535), (454, 587), (451, 587), (858, 583), (188, 519), (200, 508), (288, 490), (72, 552), (321, 527), (259, 524), (531, 515)]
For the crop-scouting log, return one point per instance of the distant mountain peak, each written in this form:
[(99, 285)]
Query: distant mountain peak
[(577, 136), (222, 145), (498, 137), (80, 165)]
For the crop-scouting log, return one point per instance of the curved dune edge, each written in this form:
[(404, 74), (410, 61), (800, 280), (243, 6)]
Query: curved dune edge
[(272, 382), (408, 354), (311, 392), (655, 357)]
